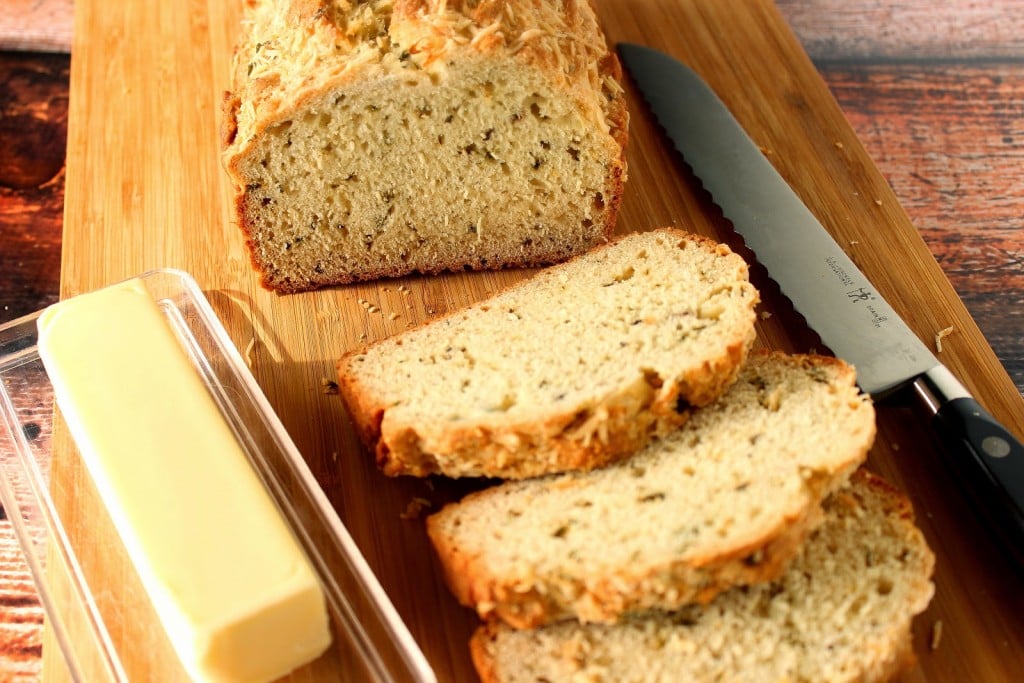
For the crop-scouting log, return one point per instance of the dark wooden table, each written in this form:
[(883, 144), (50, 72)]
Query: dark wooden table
[(934, 90)]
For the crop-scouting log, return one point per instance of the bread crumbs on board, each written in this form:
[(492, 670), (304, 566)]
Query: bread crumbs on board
[(415, 508), (940, 335), (249, 352), (936, 635)]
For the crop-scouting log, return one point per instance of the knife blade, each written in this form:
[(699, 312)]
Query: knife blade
[(826, 287)]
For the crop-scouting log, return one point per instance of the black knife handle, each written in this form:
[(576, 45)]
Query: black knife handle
[(982, 451)]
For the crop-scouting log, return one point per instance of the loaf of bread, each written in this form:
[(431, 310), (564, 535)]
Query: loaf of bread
[(841, 613), (725, 500), (574, 368), (379, 138)]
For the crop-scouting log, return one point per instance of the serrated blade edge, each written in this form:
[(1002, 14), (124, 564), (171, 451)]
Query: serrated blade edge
[(812, 270)]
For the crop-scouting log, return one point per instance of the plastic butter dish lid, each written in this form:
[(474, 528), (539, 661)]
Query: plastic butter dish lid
[(118, 603)]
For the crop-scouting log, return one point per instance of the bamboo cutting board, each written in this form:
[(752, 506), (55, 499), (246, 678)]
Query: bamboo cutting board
[(145, 190)]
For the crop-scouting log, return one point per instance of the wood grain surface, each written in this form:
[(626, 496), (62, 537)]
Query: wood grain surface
[(33, 132), (36, 25), (877, 32), (938, 110)]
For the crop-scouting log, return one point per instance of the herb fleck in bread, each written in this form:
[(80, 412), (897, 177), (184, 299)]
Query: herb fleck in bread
[(725, 500), (379, 138), (842, 612), (572, 369)]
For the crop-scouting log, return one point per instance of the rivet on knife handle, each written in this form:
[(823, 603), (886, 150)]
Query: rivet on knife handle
[(982, 449)]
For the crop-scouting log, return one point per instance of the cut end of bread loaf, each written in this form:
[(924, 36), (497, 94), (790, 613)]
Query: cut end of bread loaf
[(842, 612), (725, 500), (381, 140), (576, 367)]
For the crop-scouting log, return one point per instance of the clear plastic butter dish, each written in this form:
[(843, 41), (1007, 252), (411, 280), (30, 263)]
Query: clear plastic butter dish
[(99, 626)]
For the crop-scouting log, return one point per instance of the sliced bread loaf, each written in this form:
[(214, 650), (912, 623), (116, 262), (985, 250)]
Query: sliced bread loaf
[(378, 138), (572, 369), (725, 500), (842, 612)]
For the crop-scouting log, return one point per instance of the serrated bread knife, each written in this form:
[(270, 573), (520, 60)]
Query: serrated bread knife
[(825, 286)]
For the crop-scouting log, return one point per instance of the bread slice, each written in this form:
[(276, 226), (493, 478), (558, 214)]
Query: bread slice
[(725, 500), (572, 369), (379, 138), (842, 612)]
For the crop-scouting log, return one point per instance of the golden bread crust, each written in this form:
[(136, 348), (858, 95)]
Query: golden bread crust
[(529, 596), (841, 612), (299, 59), (564, 436)]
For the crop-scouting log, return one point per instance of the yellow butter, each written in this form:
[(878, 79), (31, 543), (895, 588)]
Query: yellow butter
[(233, 589)]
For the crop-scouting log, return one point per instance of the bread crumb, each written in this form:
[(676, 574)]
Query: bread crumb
[(854, 243), (839, 145), (250, 348), (393, 316), (773, 400), (328, 386), (936, 635), (878, 202), (415, 508), (940, 335)]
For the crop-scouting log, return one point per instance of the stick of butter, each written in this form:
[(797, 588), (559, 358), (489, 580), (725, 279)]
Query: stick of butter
[(233, 589)]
